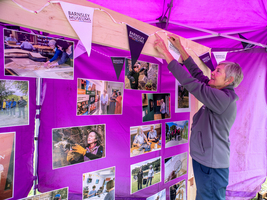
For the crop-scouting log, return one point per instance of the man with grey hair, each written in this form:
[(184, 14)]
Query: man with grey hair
[(209, 141), (150, 175)]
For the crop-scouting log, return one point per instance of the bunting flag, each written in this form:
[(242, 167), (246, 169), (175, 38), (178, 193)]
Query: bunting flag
[(81, 20), (118, 63), (207, 60), (174, 52), (137, 40), (79, 49), (244, 44), (220, 56)]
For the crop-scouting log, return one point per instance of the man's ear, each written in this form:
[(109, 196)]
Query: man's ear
[(230, 80)]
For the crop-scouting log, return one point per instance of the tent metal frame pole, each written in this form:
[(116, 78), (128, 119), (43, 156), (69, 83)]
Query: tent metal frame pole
[(213, 34)]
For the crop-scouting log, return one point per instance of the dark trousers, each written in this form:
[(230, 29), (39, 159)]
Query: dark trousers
[(163, 115), (211, 182), (140, 184)]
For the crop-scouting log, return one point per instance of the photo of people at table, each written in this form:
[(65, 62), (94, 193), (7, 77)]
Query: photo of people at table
[(7, 163), (161, 195), (14, 103), (78, 144), (141, 76), (99, 184), (156, 106), (145, 174), (35, 55), (176, 133), (178, 191), (175, 167), (182, 98), (59, 194), (96, 97), (145, 139)]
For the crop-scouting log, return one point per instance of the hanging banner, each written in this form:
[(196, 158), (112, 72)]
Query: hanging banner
[(137, 40), (81, 20), (244, 44), (172, 49), (118, 63), (79, 49), (207, 60), (220, 56)]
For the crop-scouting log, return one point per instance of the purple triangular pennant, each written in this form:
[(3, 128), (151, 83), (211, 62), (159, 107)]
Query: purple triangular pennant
[(137, 40), (244, 44), (118, 63), (207, 60)]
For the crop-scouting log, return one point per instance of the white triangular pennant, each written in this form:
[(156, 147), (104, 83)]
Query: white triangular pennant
[(175, 53), (81, 20), (220, 56)]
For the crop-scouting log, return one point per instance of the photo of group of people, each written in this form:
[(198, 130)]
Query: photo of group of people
[(60, 194), (78, 144), (145, 139), (182, 101), (145, 174), (176, 133), (34, 55), (178, 191), (96, 97), (142, 76), (99, 184), (7, 163), (156, 106), (175, 166), (161, 195), (14, 103)]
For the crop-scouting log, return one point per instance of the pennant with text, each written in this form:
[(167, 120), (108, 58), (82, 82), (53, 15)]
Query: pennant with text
[(81, 20), (220, 56), (172, 49), (118, 63), (207, 60), (137, 40), (79, 49), (244, 44)]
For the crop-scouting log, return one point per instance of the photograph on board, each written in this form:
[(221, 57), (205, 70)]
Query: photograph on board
[(99, 184), (182, 98), (34, 55), (59, 194), (176, 133), (175, 167), (74, 145), (178, 191), (161, 195), (96, 97), (14, 103), (145, 139), (145, 174), (156, 106), (142, 76), (7, 163)]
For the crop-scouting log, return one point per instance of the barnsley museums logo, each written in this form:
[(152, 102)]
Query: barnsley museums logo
[(79, 17)]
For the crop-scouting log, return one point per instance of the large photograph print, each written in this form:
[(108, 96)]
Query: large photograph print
[(143, 76), (145, 139), (161, 195), (35, 55), (178, 191), (14, 103), (182, 98), (7, 163), (176, 133), (59, 194), (78, 144), (96, 97), (145, 174), (99, 184)]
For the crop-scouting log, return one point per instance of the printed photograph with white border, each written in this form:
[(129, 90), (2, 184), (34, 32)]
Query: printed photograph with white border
[(7, 164), (73, 145), (145, 174), (59, 194), (145, 139), (182, 98), (34, 55), (14, 102), (144, 76), (178, 191), (99, 184), (95, 97), (175, 167), (176, 133), (161, 195)]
